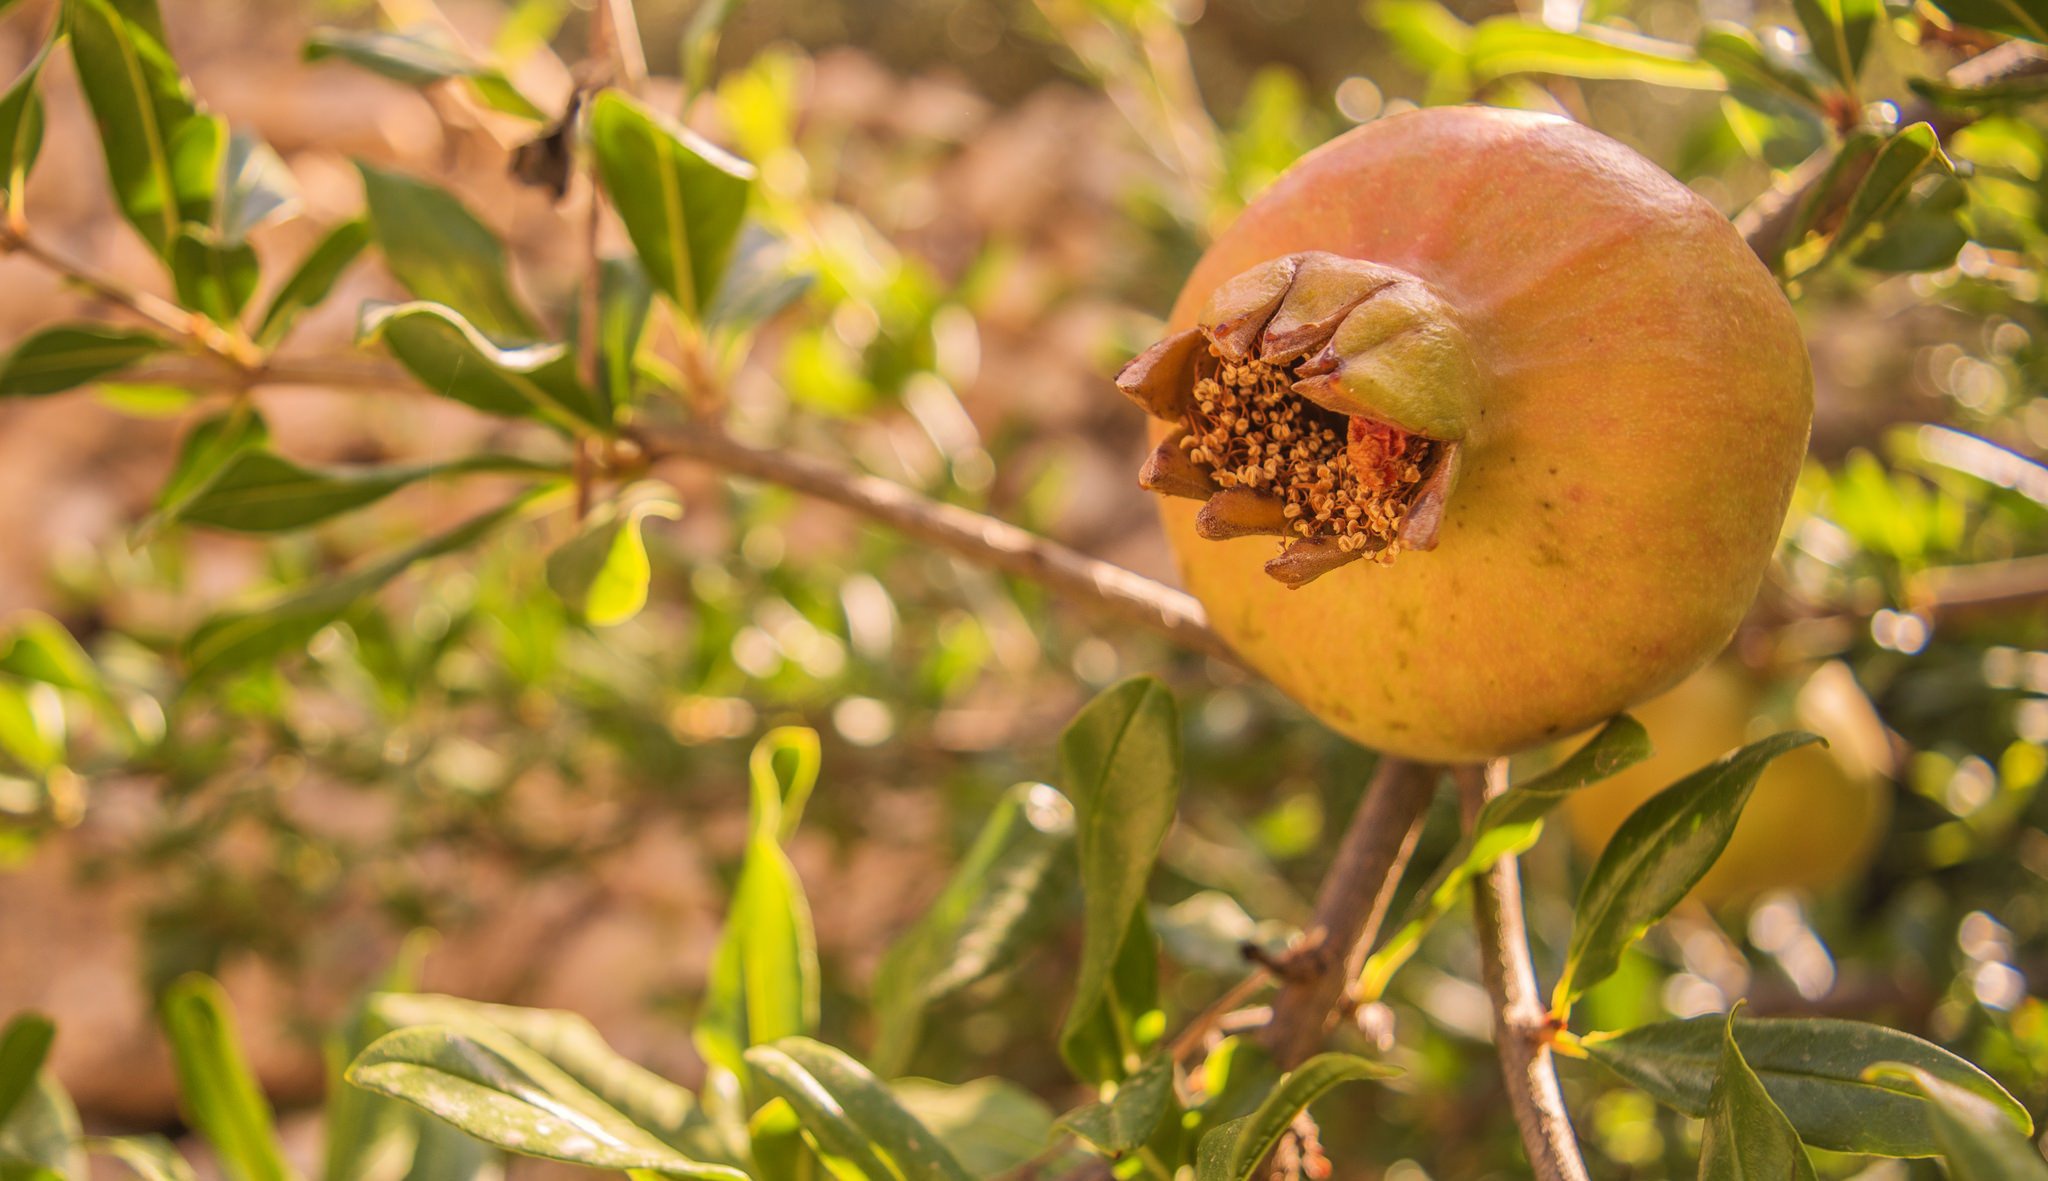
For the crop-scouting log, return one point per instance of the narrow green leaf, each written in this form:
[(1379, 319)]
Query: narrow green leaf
[(1660, 852), (219, 1091), (1506, 45), (263, 492), (1507, 826), (151, 1158), (452, 357), (443, 1152), (233, 640), (1756, 75), (989, 1125), (1979, 1141), (162, 155), (1120, 762), (31, 727), (2008, 95), (764, 972), (758, 283), (1892, 173), (567, 1040), (850, 1114), (208, 448), (36, 647), (1233, 1151), (995, 902), (357, 1123), (1839, 32), (70, 355), (212, 277), (21, 121), (1127, 1119), (23, 1046), (1746, 1137), (39, 1138), (625, 298), (2021, 18), (681, 198), (255, 187), (602, 572), (502, 1093), (315, 277), (1812, 1068), (422, 57), (441, 253)]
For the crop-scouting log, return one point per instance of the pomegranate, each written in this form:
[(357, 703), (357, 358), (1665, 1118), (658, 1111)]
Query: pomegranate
[(1522, 411)]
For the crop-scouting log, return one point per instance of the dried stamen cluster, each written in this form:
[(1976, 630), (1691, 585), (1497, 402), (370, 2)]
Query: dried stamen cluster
[(1346, 479)]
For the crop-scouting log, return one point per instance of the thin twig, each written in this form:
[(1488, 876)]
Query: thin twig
[(1211, 1018), (1351, 904), (185, 326), (1521, 1024)]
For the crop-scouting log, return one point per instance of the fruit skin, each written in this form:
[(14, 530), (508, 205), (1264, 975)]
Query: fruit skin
[(1817, 813), (1647, 405)]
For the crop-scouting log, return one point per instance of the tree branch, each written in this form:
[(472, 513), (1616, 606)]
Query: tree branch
[(1521, 1023), (1349, 907), (983, 539)]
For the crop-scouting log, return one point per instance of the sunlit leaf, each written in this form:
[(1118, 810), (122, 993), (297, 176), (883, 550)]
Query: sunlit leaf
[(442, 254), (1756, 75), (681, 198), (212, 277), (255, 188), (70, 355), (1506, 45), (1978, 1140), (1892, 173), (21, 120), (1120, 762), (1839, 32), (421, 57), (850, 1114), (1813, 1069), (219, 1092), (39, 1137), (163, 156), (602, 572), (454, 358), (151, 1158)]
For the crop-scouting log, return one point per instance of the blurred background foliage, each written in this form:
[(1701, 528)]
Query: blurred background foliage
[(967, 215)]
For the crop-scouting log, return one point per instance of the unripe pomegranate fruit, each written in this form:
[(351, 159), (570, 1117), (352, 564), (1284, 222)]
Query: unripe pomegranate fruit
[(1544, 390), (1817, 813)]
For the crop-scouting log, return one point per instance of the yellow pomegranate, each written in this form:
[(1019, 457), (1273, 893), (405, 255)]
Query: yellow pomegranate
[(1817, 813), (1543, 389)]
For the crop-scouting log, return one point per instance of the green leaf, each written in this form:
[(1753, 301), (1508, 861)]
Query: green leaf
[(1892, 173), (502, 1093), (263, 492), (758, 283), (1812, 1068), (255, 187), (1746, 1137), (151, 1158), (2008, 95), (681, 198), (1233, 1151), (602, 572), (441, 253), (1506, 45), (208, 448), (162, 155), (2021, 18), (31, 727), (850, 1114), (990, 1125), (212, 277), (1507, 826), (1839, 32), (358, 1124), (1656, 857), (764, 971), (23, 1046), (233, 640), (453, 358), (568, 1041), (70, 355), (314, 278), (443, 1152), (1925, 236), (21, 121), (625, 298), (1977, 1139), (1758, 76), (1120, 761), (220, 1093), (421, 57), (995, 902), (39, 1138), (1127, 1119)]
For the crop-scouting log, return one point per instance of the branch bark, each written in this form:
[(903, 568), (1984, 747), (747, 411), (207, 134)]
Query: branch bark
[(1521, 1022), (1350, 906), (1120, 593)]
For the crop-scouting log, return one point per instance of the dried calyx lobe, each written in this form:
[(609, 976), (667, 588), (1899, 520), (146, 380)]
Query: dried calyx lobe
[(1319, 399)]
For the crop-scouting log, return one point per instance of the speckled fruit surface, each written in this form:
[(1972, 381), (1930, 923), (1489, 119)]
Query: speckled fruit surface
[(1645, 407)]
